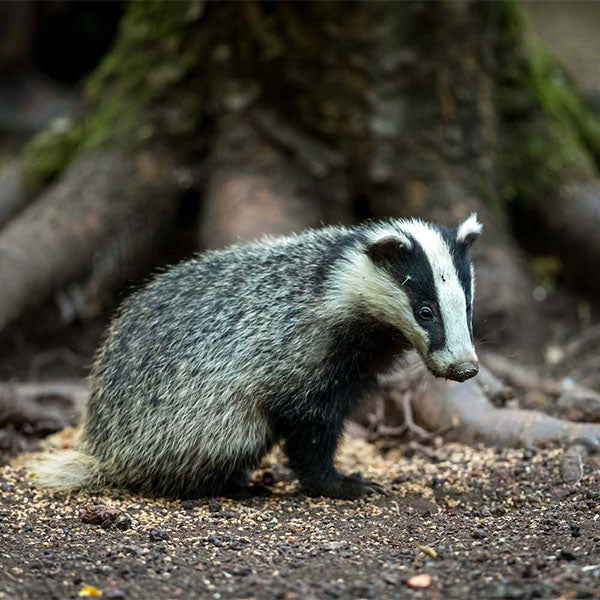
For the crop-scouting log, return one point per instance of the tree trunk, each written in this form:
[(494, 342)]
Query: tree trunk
[(281, 116), (286, 115)]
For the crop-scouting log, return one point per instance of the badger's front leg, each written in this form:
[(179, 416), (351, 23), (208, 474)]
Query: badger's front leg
[(311, 444)]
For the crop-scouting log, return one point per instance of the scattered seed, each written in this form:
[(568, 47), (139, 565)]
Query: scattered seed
[(427, 550), (420, 581)]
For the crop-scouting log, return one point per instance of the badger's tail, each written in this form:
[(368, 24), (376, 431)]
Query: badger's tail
[(66, 470)]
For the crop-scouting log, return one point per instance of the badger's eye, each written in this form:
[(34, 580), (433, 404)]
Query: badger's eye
[(425, 313)]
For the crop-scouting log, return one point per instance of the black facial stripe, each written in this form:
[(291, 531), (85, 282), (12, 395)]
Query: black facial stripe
[(462, 264), (333, 253), (413, 273), (460, 258)]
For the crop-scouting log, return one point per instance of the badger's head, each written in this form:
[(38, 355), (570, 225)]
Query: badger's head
[(418, 278)]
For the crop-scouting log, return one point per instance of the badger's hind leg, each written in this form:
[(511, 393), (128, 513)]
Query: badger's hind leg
[(233, 481), (239, 487), (216, 482)]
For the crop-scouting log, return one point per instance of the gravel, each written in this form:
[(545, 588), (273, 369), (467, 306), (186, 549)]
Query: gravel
[(496, 524)]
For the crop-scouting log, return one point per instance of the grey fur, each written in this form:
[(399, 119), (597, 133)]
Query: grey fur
[(192, 364)]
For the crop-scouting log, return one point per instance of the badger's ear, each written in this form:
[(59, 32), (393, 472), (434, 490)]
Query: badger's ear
[(387, 249), (469, 230)]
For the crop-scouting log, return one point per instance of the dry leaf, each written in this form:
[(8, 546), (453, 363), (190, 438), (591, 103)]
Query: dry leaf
[(89, 590), (427, 550)]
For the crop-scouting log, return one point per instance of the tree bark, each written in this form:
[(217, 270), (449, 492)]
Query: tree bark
[(281, 116), (293, 115), (92, 229)]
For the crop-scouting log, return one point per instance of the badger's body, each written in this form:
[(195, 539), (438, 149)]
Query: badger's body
[(226, 354)]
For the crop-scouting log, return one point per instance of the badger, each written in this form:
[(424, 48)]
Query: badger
[(222, 356)]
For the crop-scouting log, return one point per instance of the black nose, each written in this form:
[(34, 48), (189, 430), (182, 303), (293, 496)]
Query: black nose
[(462, 371)]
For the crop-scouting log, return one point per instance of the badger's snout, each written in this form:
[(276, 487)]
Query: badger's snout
[(462, 371)]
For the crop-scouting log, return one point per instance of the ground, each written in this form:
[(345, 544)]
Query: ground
[(491, 524)]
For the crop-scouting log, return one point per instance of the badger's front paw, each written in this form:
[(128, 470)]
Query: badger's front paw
[(346, 487)]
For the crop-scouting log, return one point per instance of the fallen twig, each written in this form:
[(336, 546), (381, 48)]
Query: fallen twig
[(571, 466), (47, 406), (575, 402), (522, 377)]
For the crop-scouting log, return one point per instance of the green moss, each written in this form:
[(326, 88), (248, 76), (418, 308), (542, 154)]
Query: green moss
[(134, 85), (559, 96), (550, 135), (541, 156), (50, 152)]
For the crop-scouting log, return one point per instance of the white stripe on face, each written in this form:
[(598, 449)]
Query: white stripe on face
[(458, 347), (472, 291), (358, 283), (468, 228)]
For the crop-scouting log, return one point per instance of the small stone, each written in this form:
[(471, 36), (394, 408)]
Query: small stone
[(575, 530), (214, 506), (420, 581), (566, 554), (123, 523), (158, 535), (99, 514), (480, 533)]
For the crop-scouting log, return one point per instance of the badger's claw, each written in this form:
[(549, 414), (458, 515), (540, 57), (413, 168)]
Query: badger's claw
[(247, 492), (371, 487), (374, 488), (346, 487)]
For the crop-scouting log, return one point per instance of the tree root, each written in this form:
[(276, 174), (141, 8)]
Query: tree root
[(473, 412), (14, 195), (475, 419), (42, 407), (256, 186), (467, 410), (86, 235), (575, 402)]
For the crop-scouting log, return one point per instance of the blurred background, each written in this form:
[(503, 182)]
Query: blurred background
[(133, 134)]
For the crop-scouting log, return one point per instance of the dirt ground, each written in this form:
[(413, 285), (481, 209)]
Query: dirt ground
[(491, 524)]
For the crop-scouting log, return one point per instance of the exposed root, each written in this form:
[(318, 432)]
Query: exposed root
[(473, 412), (476, 420), (574, 401), (96, 227), (256, 185), (45, 407), (14, 195), (409, 423)]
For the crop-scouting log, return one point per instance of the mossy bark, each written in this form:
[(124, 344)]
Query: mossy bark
[(550, 152), (443, 77), (373, 109), (145, 90)]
